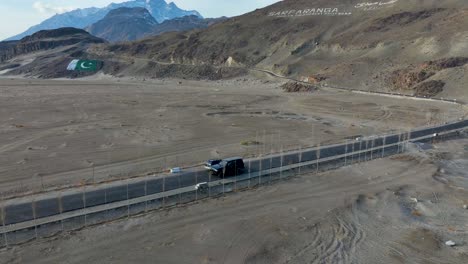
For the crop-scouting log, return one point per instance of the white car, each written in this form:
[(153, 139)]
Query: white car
[(176, 170), (201, 186)]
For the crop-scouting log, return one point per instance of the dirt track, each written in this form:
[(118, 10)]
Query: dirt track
[(397, 210), (55, 132)]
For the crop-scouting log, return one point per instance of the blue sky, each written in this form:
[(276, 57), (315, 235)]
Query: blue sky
[(18, 15)]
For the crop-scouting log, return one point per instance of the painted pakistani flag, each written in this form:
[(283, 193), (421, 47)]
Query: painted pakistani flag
[(83, 65)]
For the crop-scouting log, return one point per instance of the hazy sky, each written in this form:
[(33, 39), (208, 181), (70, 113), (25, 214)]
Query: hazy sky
[(18, 15)]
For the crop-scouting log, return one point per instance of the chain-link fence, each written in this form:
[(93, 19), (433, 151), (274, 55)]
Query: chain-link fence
[(66, 210), (51, 212)]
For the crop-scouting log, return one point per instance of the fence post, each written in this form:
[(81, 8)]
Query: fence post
[(33, 204), (403, 147), (128, 202), (281, 162), (196, 182), (209, 183), (84, 204), (180, 184), (403, 133), (250, 176), (365, 152), (3, 223), (260, 168), (399, 142), (408, 138), (164, 190), (146, 193), (60, 208), (235, 178), (360, 150), (300, 158), (383, 146), (317, 154), (222, 181), (346, 152)]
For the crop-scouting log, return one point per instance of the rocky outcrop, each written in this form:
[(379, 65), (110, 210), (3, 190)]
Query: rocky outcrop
[(408, 78), (429, 88), (313, 79), (45, 40), (7, 49), (402, 19), (295, 87)]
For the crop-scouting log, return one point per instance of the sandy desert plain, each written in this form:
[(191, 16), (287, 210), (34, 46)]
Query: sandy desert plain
[(401, 209), (74, 132)]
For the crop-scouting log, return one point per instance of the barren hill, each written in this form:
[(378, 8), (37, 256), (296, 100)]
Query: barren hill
[(46, 53), (184, 24), (352, 43), (45, 40)]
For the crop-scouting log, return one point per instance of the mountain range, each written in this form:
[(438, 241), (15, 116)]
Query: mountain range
[(81, 18), (124, 24), (127, 24)]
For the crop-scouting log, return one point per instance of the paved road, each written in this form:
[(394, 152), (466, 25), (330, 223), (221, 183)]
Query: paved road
[(15, 213)]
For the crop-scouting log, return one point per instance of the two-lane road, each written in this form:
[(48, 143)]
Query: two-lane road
[(66, 202)]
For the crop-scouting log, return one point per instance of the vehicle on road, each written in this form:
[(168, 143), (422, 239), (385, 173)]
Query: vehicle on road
[(209, 163), (228, 167), (176, 170), (202, 186)]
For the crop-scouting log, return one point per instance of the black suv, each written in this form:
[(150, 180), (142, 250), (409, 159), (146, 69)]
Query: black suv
[(228, 167)]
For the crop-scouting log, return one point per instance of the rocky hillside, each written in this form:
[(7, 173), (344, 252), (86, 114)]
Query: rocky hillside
[(46, 53), (46, 40), (350, 43), (6, 49), (185, 23), (124, 24), (81, 18)]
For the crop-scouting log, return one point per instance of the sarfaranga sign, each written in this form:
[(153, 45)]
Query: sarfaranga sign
[(325, 11)]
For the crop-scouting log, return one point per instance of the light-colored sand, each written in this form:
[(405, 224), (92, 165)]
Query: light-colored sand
[(53, 132), (394, 210)]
